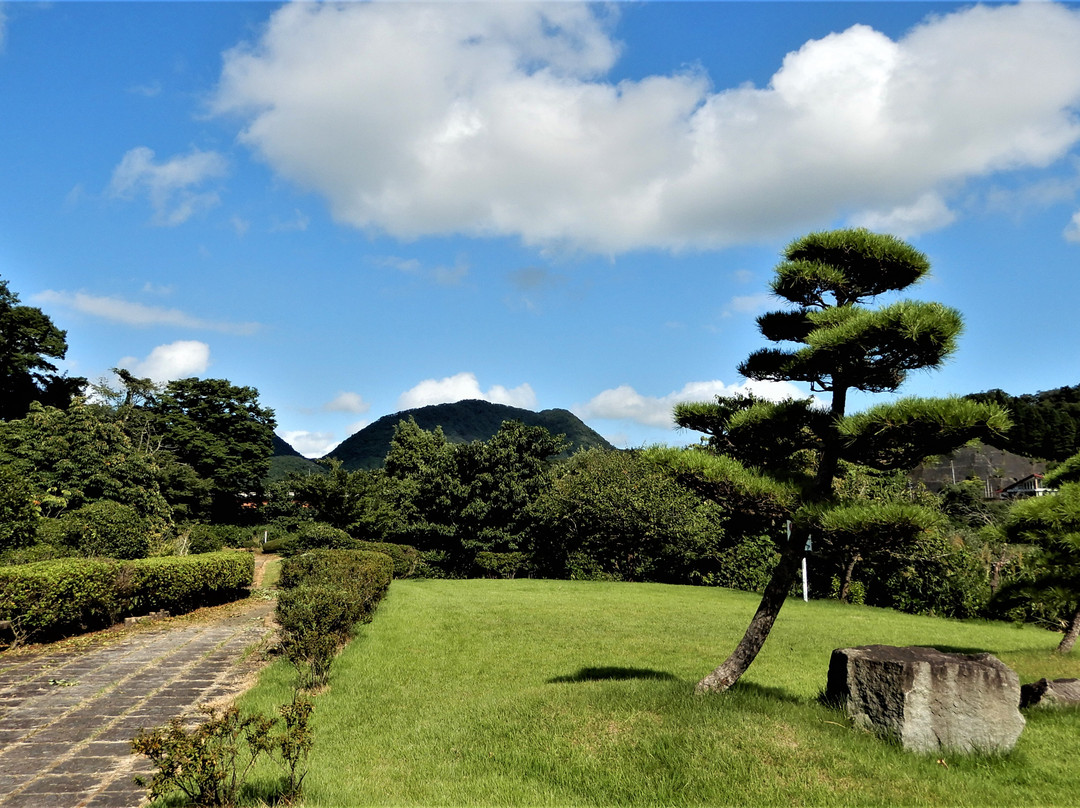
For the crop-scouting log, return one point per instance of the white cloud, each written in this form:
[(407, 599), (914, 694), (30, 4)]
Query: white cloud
[(464, 386), (496, 119), (118, 310), (750, 304), (172, 186), (310, 444), (928, 212), (442, 275), (347, 402), (1072, 230), (626, 403), (177, 360)]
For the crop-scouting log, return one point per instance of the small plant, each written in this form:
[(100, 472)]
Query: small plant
[(294, 743), (210, 763)]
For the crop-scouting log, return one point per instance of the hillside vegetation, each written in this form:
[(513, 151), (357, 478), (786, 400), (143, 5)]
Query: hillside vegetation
[(461, 422)]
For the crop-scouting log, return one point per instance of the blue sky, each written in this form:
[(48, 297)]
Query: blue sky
[(362, 208)]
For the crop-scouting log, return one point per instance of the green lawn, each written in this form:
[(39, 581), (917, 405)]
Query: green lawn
[(574, 693)]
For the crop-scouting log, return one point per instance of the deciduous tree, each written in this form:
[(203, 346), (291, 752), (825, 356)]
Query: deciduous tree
[(221, 432), (28, 340)]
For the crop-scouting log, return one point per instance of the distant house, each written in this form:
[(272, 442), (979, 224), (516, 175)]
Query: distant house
[(1030, 486)]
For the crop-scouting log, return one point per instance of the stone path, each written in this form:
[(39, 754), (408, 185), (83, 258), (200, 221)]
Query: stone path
[(67, 717)]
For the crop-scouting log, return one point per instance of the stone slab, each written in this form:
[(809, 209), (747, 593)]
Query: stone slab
[(928, 700)]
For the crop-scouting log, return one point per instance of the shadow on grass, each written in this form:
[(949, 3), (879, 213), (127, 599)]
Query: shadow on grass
[(611, 672), (767, 693)]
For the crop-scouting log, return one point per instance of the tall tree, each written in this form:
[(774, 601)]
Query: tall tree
[(73, 457), (28, 340), (841, 344), (221, 432)]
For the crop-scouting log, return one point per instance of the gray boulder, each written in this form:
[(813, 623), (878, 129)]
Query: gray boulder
[(928, 700), (1051, 693)]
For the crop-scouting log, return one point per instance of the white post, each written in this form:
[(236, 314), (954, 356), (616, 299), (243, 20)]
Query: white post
[(805, 586)]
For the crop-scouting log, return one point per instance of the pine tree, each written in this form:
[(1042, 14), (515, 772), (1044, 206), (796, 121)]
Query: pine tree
[(840, 343)]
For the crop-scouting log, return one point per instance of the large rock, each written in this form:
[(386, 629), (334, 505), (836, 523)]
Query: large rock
[(928, 700), (1051, 693)]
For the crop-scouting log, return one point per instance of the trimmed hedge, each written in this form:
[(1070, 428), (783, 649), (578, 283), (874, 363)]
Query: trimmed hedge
[(183, 583), (361, 576), (50, 599), (325, 593), (66, 596), (405, 558)]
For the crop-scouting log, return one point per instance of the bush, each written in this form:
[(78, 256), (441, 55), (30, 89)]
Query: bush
[(55, 598), (51, 598), (939, 577), (321, 536), (363, 570), (183, 583), (405, 558), (19, 514), (205, 538), (211, 762), (285, 546), (325, 594), (315, 622), (748, 565), (620, 516), (106, 529), (31, 554), (501, 565)]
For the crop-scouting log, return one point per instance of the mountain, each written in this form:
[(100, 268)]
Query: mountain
[(286, 460), (461, 422), (283, 449)]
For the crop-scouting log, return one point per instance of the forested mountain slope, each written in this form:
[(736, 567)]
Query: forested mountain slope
[(461, 422), (1046, 424)]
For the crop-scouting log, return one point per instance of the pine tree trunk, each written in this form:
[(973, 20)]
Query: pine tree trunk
[(1071, 633), (771, 602), (849, 571)]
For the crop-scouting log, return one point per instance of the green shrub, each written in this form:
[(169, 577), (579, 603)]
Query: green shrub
[(19, 514), (198, 537), (315, 622), (620, 516), (325, 593), (210, 763), (405, 558), (107, 529), (32, 554), (201, 537), (748, 565), (321, 536), (183, 583), (52, 598), (501, 565), (51, 531), (48, 599), (434, 564), (284, 545), (365, 571), (856, 594)]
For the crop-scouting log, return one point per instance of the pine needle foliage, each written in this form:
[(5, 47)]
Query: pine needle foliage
[(834, 340)]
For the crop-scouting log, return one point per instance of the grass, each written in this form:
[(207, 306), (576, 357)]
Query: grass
[(509, 693)]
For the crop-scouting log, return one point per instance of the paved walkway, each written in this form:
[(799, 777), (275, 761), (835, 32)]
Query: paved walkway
[(67, 717)]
